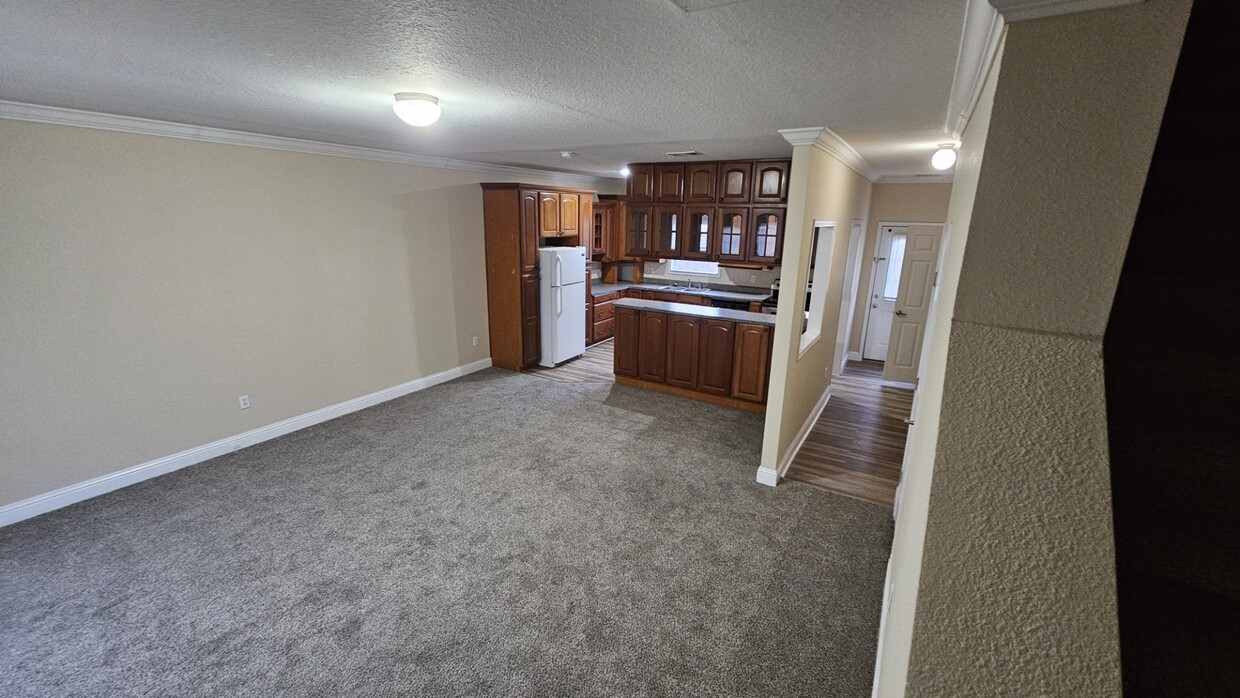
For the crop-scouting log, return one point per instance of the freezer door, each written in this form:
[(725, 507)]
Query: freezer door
[(563, 265)]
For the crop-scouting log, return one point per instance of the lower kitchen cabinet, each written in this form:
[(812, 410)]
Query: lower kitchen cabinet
[(682, 351), (721, 361), (625, 350), (717, 342), (652, 349), (531, 334), (751, 362)]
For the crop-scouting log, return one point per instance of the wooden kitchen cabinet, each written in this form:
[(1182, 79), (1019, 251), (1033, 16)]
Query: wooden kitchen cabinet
[(683, 333), (766, 237), (529, 222), (570, 215), (698, 232), (667, 231), (716, 345), (735, 182), (641, 183), (652, 347), (549, 214), (669, 183), (751, 360), (601, 217), (516, 216), (730, 245), (559, 214), (770, 181), (700, 182), (638, 231), (625, 351)]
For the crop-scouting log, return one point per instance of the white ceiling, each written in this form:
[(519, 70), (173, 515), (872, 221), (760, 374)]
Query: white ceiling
[(613, 81)]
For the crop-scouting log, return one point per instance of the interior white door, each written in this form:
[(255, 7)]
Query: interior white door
[(888, 260), (912, 305)]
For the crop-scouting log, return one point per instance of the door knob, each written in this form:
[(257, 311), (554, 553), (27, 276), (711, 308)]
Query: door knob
[(901, 313)]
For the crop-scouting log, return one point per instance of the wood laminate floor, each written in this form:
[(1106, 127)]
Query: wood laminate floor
[(595, 366), (857, 446)]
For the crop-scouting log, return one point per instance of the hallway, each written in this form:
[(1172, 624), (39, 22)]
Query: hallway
[(857, 446)]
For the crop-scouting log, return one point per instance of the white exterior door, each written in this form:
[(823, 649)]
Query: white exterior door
[(912, 304), (888, 259)]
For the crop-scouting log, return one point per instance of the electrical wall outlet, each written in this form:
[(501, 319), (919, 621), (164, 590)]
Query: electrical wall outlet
[(753, 278), (245, 402), (475, 341)]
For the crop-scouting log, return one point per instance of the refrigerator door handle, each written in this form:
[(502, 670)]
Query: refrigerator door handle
[(559, 301), (559, 272)]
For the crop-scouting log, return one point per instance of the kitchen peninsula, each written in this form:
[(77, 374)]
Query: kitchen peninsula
[(712, 354)]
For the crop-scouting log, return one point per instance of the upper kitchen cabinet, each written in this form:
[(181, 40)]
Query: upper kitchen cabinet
[(730, 245), (528, 243), (667, 230), (561, 214), (699, 229), (735, 182), (767, 235), (770, 181), (570, 214), (601, 217), (549, 214), (641, 184), (669, 183), (638, 231), (700, 182)]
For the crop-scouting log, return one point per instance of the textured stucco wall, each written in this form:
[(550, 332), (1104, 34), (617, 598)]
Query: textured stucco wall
[(1017, 578)]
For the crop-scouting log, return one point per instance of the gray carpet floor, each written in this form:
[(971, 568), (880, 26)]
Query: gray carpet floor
[(498, 535)]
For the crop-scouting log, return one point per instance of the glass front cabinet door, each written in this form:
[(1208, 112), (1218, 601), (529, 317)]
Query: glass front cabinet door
[(768, 234), (730, 246), (639, 231), (698, 232)]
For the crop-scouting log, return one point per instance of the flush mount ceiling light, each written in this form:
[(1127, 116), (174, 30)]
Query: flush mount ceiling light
[(944, 157), (624, 172), (417, 108)]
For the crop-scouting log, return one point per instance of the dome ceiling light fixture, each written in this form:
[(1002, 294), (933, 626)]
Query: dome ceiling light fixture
[(417, 108), (944, 157), (624, 172)]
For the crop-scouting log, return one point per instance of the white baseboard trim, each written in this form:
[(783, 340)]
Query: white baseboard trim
[(50, 501), (767, 477), (770, 477), (854, 356)]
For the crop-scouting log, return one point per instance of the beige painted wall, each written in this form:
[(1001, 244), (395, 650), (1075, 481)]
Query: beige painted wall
[(821, 187), (893, 203), (147, 282), (1017, 585)]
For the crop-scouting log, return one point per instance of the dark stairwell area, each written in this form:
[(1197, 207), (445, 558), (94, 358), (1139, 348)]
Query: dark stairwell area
[(1172, 353)]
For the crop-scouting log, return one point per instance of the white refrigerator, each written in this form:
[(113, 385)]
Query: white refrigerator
[(562, 302)]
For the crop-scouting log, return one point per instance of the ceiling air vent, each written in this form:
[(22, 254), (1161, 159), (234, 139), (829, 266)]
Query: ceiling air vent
[(682, 153)]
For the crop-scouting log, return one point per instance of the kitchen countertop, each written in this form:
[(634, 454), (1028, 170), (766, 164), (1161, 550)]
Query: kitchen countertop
[(604, 289), (697, 311)]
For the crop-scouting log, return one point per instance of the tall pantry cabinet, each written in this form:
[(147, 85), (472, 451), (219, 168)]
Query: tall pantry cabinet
[(520, 218)]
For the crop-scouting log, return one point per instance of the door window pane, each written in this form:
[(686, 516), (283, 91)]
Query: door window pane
[(895, 264)]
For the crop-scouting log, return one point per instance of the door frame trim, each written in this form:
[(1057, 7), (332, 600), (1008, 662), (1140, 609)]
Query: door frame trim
[(869, 292)]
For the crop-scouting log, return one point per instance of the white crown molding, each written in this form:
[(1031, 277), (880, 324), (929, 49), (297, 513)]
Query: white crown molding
[(829, 142), (916, 179), (20, 111), (1018, 10), (979, 41), (63, 497), (801, 136)]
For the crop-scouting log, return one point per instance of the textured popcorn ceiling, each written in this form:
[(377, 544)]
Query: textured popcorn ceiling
[(614, 81)]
